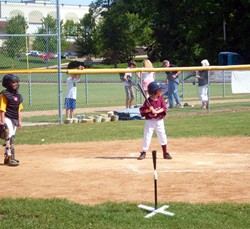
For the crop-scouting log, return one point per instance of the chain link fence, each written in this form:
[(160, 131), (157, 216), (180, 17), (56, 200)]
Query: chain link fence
[(29, 35)]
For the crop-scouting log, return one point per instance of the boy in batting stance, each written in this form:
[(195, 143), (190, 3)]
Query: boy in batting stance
[(154, 114), (10, 119)]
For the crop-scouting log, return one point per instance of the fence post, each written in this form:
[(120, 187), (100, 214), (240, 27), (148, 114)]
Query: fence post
[(59, 62), (208, 93), (182, 87), (86, 88), (224, 81), (30, 93)]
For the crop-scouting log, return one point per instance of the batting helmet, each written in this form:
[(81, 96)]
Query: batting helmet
[(8, 79), (154, 86)]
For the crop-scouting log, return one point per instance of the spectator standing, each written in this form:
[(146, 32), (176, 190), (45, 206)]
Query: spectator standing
[(71, 91), (147, 77), (127, 82), (202, 77), (173, 84)]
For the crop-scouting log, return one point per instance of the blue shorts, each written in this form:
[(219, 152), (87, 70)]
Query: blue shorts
[(70, 104)]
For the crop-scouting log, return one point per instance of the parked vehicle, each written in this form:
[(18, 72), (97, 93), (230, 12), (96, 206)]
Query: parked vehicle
[(64, 55), (72, 54), (46, 56), (68, 55), (33, 53)]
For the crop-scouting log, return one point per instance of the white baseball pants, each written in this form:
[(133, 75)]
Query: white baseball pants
[(11, 126), (12, 130), (203, 93), (151, 126)]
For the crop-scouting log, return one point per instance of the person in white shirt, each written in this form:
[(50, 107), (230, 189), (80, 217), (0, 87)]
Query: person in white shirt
[(128, 85), (71, 91)]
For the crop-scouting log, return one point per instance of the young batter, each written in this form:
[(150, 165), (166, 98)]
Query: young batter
[(154, 116)]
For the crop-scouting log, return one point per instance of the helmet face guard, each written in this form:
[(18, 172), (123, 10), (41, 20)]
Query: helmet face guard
[(8, 80), (154, 86)]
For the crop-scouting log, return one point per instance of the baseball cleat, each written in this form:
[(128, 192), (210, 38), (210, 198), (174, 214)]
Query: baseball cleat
[(142, 156), (12, 163), (16, 160), (167, 156)]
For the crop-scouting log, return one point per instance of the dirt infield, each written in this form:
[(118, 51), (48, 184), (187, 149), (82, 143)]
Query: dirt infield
[(202, 170)]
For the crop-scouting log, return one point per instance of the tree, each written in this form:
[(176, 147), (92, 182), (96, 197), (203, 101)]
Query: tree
[(116, 41), (47, 43), (87, 41), (68, 33), (140, 30), (86, 35), (187, 31), (15, 45), (119, 32), (237, 18), (70, 29)]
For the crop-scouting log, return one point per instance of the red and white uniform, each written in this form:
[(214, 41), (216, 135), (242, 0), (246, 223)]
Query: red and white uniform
[(154, 123)]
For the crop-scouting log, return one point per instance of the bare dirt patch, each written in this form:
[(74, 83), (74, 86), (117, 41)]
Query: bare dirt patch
[(202, 170)]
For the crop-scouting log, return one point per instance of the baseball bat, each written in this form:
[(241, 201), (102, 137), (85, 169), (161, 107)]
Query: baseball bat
[(133, 84), (155, 176), (130, 81), (146, 98), (143, 93), (191, 74)]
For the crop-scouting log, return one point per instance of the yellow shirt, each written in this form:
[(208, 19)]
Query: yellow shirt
[(4, 102)]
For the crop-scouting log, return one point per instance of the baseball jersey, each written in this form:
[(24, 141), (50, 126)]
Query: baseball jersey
[(4, 102), (157, 104)]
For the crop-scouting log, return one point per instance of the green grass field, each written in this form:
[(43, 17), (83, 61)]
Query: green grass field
[(8, 63), (56, 213)]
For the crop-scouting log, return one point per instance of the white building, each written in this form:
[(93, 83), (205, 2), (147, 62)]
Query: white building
[(33, 11)]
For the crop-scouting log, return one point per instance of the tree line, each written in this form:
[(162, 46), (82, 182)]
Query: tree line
[(183, 31)]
